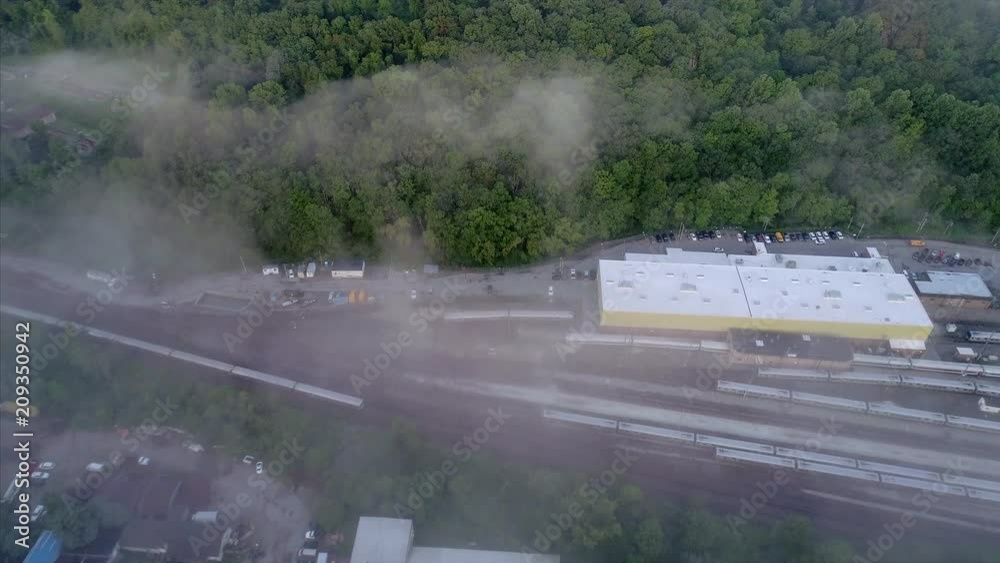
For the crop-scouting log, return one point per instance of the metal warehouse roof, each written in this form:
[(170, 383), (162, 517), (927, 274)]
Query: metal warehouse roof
[(952, 284), (658, 287)]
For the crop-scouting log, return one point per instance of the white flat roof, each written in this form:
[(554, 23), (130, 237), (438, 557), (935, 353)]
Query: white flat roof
[(444, 555), (760, 292), (680, 256), (683, 289), (825, 296), (382, 540), (954, 284), (812, 262)]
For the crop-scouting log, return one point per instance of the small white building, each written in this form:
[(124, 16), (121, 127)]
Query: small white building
[(348, 269)]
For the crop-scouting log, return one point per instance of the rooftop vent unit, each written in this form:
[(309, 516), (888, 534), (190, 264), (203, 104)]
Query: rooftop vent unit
[(689, 288)]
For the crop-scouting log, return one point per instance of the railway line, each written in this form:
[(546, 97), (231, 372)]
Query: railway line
[(740, 451), (874, 408)]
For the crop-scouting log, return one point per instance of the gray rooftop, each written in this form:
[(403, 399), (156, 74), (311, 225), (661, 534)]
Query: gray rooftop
[(952, 284), (382, 540), (445, 555)]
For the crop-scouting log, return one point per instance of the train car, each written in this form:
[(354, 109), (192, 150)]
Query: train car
[(882, 361), (826, 401), (973, 423), (897, 470), (202, 361), (348, 400), (103, 335), (988, 389), (541, 315), (788, 373), (972, 482), (716, 442), (669, 343), (836, 471), (264, 377), (714, 346), (956, 368), (937, 384), (983, 495), (475, 315), (155, 348), (888, 409), (656, 433), (933, 486), (725, 454), (816, 457), (753, 390), (606, 339), (572, 418), (983, 337), (866, 378)]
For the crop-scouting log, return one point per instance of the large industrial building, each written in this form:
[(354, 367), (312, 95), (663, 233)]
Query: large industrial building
[(853, 298)]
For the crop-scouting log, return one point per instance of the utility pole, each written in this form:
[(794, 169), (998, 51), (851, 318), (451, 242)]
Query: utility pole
[(923, 222), (849, 224), (244, 265), (995, 237), (859, 230), (948, 228)]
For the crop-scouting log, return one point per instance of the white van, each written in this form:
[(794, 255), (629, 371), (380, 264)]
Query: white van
[(271, 270), (311, 270)]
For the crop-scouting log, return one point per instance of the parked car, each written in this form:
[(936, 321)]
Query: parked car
[(671, 235), (47, 466), (249, 459), (572, 273), (739, 237), (259, 468), (307, 302), (38, 512), (40, 476), (718, 249), (271, 270), (143, 460)]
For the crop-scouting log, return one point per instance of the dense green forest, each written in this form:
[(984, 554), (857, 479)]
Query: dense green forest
[(496, 133), (364, 471)]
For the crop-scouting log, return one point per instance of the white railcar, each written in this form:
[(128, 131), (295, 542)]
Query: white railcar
[(827, 401), (573, 418), (753, 390), (937, 384), (988, 388), (973, 423), (264, 377), (816, 457), (898, 470), (202, 361), (787, 373), (657, 433), (983, 495), (867, 378), (888, 409), (933, 486), (717, 442), (836, 471), (972, 482), (737, 456), (348, 400)]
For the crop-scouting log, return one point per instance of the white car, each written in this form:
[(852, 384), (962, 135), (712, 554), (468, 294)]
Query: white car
[(271, 270), (693, 236), (39, 476), (143, 460), (259, 468), (840, 235), (739, 237), (47, 466), (551, 291), (38, 512), (249, 459), (767, 239), (413, 294)]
